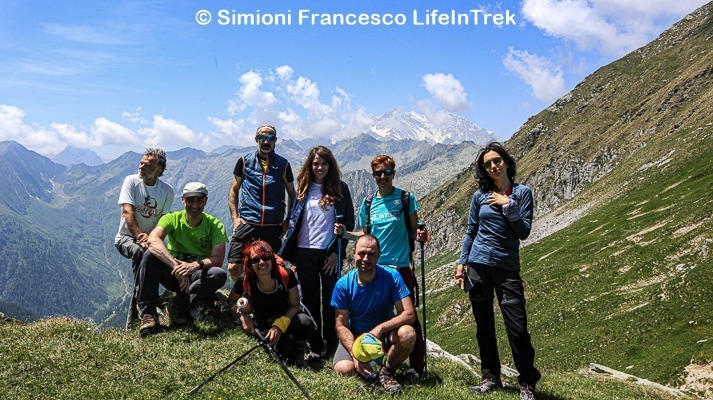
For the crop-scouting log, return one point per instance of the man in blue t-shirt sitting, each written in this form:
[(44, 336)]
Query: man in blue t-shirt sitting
[(364, 301)]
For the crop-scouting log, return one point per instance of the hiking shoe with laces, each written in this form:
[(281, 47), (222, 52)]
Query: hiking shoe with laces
[(387, 380), (149, 325), (527, 392), (488, 385)]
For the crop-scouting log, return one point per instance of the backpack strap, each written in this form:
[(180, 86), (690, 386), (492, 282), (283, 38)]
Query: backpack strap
[(405, 206)]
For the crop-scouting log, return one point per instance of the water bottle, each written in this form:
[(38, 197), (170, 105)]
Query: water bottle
[(244, 306)]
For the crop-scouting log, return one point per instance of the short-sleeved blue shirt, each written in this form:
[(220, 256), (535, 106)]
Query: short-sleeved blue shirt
[(372, 304)]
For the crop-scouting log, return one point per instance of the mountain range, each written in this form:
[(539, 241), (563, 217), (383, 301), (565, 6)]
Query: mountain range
[(618, 266), (617, 269), (59, 221)]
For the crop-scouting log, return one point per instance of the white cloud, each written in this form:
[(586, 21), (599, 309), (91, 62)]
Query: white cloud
[(134, 117), (545, 79), (292, 103), (447, 90), (171, 134), (612, 27), (50, 140), (284, 72)]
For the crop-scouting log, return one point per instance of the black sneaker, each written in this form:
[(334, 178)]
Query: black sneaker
[(149, 325), (178, 311), (314, 360), (299, 357), (527, 392), (387, 380), (487, 385), (412, 375)]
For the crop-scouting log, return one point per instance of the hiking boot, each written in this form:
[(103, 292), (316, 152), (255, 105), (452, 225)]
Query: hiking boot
[(149, 325), (387, 380), (527, 392), (412, 375), (299, 357), (488, 385), (314, 360), (178, 311)]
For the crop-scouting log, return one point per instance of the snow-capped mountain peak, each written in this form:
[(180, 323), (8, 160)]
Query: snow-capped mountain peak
[(443, 127)]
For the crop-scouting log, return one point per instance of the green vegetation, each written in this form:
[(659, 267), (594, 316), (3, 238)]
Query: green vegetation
[(70, 359)]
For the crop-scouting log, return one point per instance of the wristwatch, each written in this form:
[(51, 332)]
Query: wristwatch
[(201, 263)]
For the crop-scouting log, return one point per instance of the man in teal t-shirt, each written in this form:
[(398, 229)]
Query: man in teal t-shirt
[(189, 265)]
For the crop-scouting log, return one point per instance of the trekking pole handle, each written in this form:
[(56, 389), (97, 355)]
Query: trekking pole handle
[(340, 220)]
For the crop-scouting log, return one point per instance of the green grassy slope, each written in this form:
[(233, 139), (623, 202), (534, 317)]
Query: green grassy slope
[(69, 359), (628, 286)]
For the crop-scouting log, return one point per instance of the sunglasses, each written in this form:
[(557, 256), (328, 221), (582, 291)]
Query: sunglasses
[(387, 172), (494, 162), (256, 260), (269, 138)]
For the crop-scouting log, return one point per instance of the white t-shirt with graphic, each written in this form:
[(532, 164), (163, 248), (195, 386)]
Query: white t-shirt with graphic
[(150, 203), (317, 228)]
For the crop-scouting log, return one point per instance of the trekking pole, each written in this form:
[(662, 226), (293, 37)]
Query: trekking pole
[(422, 226), (340, 218), (200, 385), (266, 345)]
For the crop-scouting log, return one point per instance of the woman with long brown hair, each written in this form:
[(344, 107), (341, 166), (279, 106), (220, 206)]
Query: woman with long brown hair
[(310, 244)]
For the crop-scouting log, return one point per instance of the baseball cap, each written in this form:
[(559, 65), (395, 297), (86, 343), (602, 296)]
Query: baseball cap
[(194, 189), (367, 348)]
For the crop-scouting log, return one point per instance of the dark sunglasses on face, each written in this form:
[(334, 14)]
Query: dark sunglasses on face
[(387, 172), (269, 138), (256, 260), (495, 161)]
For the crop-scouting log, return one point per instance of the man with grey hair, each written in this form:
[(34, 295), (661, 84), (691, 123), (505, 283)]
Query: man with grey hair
[(144, 198)]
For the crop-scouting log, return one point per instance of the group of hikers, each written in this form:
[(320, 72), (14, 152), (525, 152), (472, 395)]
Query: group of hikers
[(311, 312)]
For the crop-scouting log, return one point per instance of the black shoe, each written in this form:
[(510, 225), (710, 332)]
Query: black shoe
[(299, 357), (412, 375), (314, 360), (330, 350), (178, 311), (487, 385)]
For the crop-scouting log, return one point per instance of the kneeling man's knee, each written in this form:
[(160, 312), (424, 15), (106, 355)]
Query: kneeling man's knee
[(405, 336), (344, 367)]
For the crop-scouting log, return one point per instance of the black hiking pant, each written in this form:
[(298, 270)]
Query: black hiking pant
[(312, 278), (153, 272), (511, 298)]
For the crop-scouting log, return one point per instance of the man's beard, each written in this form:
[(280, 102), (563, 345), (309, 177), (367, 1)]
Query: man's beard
[(145, 176)]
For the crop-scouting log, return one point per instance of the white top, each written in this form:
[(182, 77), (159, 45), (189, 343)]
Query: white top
[(317, 229), (150, 202)]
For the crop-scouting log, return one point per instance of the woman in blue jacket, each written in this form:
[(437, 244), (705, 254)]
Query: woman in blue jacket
[(310, 244), (500, 217)]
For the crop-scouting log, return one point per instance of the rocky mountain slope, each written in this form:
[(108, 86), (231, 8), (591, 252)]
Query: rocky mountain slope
[(618, 266)]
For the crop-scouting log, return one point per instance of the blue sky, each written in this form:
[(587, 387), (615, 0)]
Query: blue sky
[(122, 75)]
